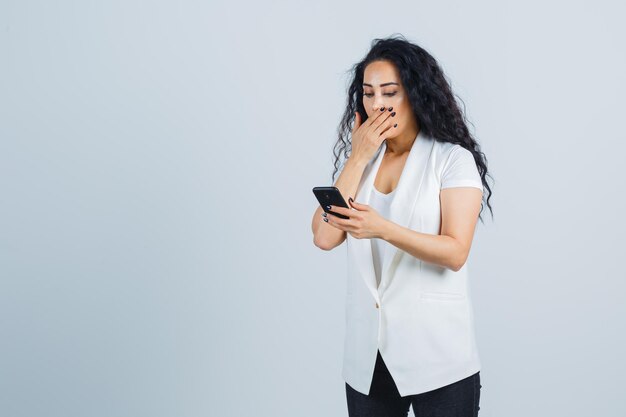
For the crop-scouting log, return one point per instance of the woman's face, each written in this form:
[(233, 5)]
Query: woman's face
[(382, 87)]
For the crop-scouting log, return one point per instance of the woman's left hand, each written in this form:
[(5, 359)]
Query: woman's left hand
[(364, 221)]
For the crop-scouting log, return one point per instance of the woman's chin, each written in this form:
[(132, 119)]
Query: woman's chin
[(393, 136)]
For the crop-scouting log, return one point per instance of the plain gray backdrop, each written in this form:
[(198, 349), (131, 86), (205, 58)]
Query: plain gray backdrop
[(156, 166)]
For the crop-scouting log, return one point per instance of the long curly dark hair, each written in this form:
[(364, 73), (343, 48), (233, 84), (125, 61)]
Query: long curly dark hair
[(433, 103)]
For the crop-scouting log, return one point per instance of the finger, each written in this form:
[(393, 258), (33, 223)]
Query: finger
[(328, 220), (339, 223), (358, 206), (381, 124), (389, 124), (357, 121), (378, 113), (383, 136), (342, 210)]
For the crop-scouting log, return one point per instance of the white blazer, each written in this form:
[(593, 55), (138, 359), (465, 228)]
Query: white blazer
[(420, 317)]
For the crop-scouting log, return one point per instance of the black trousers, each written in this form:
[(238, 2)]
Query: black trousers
[(459, 399)]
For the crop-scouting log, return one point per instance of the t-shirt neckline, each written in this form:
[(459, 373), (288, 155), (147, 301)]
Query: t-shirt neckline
[(383, 194)]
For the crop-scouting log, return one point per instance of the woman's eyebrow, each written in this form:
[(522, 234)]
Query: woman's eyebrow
[(382, 85)]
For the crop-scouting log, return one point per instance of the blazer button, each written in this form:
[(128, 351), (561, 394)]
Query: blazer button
[(376, 305)]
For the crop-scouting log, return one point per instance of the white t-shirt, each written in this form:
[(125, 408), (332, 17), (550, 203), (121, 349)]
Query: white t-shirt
[(379, 202), (460, 170)]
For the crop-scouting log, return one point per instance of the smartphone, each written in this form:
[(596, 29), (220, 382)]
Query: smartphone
[(330, 196)]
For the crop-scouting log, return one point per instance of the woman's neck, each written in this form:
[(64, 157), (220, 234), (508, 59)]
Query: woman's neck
[(403, 143)]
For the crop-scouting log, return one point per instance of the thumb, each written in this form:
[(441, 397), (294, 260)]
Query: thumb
[(356, 205), (357, 121)]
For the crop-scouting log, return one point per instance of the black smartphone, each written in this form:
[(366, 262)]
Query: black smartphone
[(330, 196)]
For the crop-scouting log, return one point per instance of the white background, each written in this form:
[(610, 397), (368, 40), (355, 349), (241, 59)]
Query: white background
[(156, 167)]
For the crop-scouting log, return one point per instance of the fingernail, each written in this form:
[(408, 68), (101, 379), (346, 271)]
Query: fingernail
[(396, 125), (327, 207), (382, 108), (390, 108), (325, 219), (393, 114), (324, 214), (350, 199)]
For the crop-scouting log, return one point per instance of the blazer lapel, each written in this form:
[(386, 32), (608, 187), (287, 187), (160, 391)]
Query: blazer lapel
[(401, 208), (359, 250), (406, 194)]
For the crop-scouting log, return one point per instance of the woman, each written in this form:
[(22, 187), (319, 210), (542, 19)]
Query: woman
[(418, 178)]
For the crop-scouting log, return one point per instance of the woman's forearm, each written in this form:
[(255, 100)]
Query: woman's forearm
[(442, 250), (326, 236)]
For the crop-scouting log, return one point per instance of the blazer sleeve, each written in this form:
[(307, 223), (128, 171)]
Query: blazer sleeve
[(460, 170)]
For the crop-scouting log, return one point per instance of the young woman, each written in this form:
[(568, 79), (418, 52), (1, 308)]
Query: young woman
[(414, 179)]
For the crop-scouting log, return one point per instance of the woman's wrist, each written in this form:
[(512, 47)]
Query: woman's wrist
[(357, 163), (385, 229)]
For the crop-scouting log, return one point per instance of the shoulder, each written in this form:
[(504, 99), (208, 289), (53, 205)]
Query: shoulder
[(447, 153), (458, 167), (453, 150)]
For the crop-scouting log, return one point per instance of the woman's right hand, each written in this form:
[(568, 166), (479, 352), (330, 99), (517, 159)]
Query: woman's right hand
[(367, 137)]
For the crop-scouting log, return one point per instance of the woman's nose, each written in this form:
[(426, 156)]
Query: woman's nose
[(378, 106)]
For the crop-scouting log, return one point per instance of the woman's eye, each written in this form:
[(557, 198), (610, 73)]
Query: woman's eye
[(387, 94)]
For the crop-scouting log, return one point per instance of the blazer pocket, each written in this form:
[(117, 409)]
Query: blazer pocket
[(443, 327), (430, 295)]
